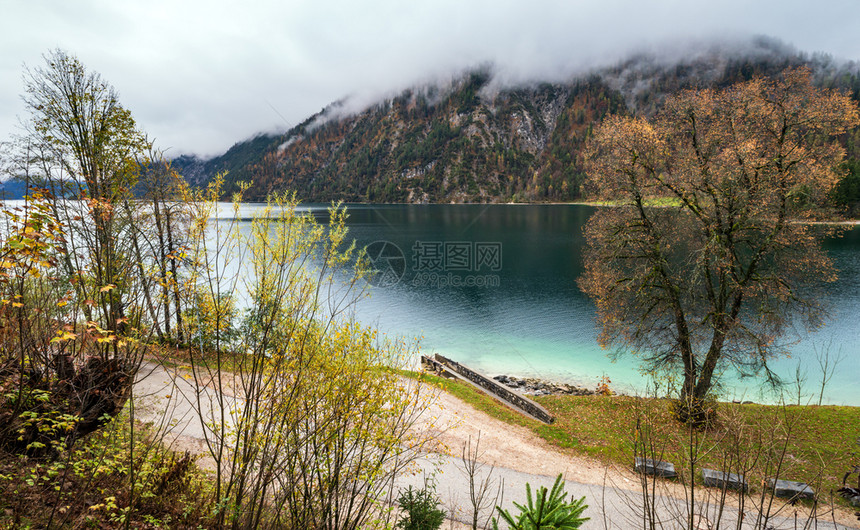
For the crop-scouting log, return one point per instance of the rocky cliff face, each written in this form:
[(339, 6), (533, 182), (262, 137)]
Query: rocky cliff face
[(471, 142)]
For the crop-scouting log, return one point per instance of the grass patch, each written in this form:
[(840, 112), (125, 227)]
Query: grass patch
[(184, 357), (473, 397), (812, 444)]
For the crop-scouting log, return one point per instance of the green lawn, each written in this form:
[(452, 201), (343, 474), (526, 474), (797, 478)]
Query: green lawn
[(816, 445)]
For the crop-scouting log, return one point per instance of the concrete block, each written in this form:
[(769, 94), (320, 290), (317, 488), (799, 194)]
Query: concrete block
[(788, 488), (721, 479), (654, 467)]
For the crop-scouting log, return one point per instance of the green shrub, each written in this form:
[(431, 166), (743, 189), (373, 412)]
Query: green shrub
[(211, 320), (422, 509), (546, 513)]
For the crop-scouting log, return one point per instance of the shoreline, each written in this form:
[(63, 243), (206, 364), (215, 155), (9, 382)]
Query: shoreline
[(596, 204), (533, 386)]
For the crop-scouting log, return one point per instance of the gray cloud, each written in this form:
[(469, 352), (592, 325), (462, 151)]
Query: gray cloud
[(200, 76)]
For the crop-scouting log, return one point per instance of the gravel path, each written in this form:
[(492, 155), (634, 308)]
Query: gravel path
[(507, 452)]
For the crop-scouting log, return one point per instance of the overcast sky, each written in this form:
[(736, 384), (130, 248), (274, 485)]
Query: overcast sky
[(201, 75)]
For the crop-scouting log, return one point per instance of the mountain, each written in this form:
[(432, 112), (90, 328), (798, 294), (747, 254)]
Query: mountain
[(474, 140), (12, 189)]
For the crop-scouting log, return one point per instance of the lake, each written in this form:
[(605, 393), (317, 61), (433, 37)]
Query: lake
[(494, 287)]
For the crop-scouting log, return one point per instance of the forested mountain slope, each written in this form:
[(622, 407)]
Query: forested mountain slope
[(473, 141)]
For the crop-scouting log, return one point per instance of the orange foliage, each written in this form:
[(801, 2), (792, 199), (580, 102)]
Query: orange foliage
[(714, 278)]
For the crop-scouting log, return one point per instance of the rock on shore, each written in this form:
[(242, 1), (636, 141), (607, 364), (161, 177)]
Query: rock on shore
[(537, 387)]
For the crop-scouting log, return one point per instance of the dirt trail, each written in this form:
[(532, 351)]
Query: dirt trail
[(514, 446), (518, 454)]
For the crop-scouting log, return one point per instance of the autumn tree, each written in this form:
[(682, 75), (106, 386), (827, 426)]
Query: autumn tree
[(706, 259), (161, 233), (324, 426), (74, 278), (81, 143)]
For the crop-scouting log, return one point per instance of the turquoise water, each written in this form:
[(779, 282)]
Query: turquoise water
[(528, 317), (523, 314)]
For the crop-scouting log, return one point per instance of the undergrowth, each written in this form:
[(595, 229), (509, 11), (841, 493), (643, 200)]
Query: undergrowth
[(115, 478)]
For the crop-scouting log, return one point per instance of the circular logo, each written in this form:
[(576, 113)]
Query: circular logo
[(387, 263)]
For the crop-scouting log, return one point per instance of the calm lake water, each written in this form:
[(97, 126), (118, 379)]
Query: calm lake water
[(494, 287)]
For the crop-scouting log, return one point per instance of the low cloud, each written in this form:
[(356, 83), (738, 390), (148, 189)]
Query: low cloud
[(201, 76)]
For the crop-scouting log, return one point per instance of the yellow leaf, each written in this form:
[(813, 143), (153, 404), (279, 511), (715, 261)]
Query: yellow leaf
[(64, 335)]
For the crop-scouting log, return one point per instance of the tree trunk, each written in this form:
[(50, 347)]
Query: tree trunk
[(173, 270)]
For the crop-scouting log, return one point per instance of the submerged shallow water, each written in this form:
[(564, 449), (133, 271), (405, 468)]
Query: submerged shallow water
[(494, 287)]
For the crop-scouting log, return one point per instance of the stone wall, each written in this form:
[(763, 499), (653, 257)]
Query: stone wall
[(527, 405)]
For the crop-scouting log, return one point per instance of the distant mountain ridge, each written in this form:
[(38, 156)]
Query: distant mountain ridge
[(474, 142), (12, 189)]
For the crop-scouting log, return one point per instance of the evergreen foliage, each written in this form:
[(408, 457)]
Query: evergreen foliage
[(421, 509), (546, 512), (474, 142)]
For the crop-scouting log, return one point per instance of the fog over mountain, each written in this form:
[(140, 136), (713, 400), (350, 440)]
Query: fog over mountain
[(483, 137), (199, 76)]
